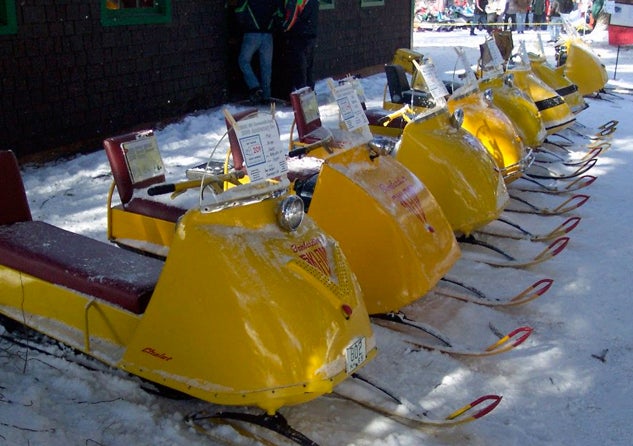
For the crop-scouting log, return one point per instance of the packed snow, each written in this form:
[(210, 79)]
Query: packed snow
[(569, 383)]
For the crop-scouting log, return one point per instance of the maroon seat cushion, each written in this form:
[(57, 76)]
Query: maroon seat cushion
[(154, 209), (80, 263)]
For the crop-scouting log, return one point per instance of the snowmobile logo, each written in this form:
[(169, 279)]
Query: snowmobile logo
[(405, 193), (314, 254), (154, 353)]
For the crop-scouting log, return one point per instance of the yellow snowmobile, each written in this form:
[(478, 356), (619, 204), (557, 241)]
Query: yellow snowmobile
[(254, 305), (556, 79), (394, 226), (514, 102), (384, 218), (555, 112), (576, 61), (452, 163), (489, 124), (385, 192)]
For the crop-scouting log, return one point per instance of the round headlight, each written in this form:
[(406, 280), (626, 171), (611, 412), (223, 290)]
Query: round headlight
[(509, 80), (488, 95), (458, 118), (290, 213)]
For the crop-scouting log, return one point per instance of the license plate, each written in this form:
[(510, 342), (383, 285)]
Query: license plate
[(355, 354)]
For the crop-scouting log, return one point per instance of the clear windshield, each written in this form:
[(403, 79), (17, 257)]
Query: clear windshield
[(252, 168), (426, 79), (469, 82), (492, 63)]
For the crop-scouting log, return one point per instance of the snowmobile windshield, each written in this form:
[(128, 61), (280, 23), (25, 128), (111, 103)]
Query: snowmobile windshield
[(492, 63), (253, 169), (426, 81), (469, 83)]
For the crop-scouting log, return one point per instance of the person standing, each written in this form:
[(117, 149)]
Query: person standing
[(480, 16), (555, 20), (521, 14), (256, 18), (300, 28), (510, 15), (538, 14), (495, 13)]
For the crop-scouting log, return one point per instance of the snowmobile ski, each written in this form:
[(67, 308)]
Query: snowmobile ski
[(473, 295), (552, 250), (523, 234), (544, 156), (602, 131), (573, 202), (398, 321), (540, 187), (203, 422), (378, 399), (549, 174)]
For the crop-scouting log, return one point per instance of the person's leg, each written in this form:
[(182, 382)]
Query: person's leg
[(266, 63), (520, 22), (250, 44), (558, 22), (296, 63), (309, 57)]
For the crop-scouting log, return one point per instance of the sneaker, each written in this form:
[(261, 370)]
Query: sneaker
[(256, 95)]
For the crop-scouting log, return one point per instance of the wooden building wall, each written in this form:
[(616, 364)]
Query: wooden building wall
[(69, 81)]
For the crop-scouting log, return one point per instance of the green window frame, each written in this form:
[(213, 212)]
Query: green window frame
[(368, 3), (135, 12), (8, 21), (326, 4)]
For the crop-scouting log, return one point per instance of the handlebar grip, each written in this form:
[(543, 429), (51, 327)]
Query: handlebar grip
[(299, 151), (161, 189)]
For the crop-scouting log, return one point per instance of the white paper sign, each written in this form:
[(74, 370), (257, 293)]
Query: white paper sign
[(349, 105), (264, 155), (435, 85), (143, 158), (495, 54)]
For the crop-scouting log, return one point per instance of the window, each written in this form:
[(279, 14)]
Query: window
[(365, 3), (135, 12), (8, 22), (326, 4)]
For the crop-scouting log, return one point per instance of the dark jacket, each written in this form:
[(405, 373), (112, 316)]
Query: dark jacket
[(256, 16), (301, 18)]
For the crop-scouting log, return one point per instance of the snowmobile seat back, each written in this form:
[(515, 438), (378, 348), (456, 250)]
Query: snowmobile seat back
[(136, 164), (401, 91), (236, 152), (398, 83), (306, 111), (129, 161), (14, 206)]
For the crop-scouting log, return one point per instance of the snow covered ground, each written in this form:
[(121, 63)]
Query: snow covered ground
[(570, 383)]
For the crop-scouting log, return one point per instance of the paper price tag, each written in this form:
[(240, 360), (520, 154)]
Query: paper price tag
[(264, 155), (143, 158), (351, 109)]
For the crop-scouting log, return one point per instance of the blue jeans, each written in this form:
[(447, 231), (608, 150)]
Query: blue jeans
[(478, 20), (554, 27), (521, 21), (262, 43)]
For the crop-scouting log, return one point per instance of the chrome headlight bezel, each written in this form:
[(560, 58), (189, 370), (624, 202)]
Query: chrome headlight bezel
[(488, 95), (290, 213), (458, 118)]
